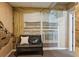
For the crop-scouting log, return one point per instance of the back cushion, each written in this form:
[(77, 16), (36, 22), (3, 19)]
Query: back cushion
[(24, 40)]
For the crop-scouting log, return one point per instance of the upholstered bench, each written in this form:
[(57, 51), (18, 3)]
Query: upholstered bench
[(32, 46)]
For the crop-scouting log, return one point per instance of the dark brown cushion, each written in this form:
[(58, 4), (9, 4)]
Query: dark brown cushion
[(28, 45)]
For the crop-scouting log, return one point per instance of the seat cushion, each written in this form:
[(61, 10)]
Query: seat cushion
[(28, 45)]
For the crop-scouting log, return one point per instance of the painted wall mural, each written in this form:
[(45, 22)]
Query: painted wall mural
[(4, 35)]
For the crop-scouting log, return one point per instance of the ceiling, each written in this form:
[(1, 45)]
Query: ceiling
[(31, 4), (40, 4)]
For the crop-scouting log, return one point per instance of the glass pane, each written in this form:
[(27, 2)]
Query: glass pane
[(50, 27), (31, 27), (32, 23), (51, 35), (50, 45), (32, 32), (50, 24)]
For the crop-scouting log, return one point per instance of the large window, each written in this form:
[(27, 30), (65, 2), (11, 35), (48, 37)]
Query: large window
[(32, 23), (48, 25)]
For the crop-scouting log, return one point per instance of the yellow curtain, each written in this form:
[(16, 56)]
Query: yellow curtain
[(18, 23), (18, 18)]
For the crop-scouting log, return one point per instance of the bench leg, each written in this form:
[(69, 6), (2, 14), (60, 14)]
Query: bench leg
[(16, 54)]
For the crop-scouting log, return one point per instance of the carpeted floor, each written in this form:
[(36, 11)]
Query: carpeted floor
[(47, 53)]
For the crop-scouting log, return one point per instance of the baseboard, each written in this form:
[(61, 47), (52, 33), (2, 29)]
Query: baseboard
[(53, 48), (14, 50), (9, 53)]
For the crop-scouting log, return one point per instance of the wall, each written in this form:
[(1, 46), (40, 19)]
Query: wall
[(4, 51), (77, 29), (77, 24), (6, 17)]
